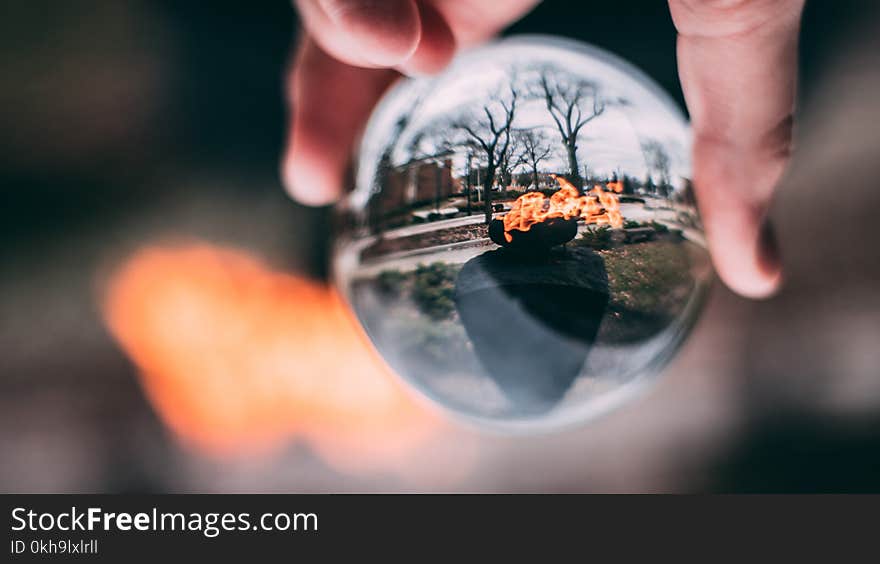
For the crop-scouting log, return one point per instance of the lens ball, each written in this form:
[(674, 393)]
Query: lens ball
[(522, 244)]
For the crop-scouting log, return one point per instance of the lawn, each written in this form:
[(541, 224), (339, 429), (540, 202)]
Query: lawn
[(653, 276), (649, 284), (412, 318)]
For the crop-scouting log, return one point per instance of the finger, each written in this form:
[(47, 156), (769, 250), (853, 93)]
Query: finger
[(738, 67), (474, 21), (369, 33), (436, 43), (330, 102)]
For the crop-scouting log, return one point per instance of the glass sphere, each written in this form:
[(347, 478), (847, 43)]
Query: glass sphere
[(522, 244)]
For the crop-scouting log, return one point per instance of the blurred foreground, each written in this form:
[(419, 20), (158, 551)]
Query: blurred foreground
[(144, 216)]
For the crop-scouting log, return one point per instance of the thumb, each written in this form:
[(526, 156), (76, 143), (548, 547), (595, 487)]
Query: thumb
[(738, 67), (363, 33)]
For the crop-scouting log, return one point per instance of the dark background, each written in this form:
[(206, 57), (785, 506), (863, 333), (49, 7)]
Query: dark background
[(123, 121)]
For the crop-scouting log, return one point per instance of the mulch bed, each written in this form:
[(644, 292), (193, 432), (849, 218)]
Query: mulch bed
[(427, 239)]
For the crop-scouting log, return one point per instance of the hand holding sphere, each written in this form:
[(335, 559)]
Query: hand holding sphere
[(737, 62)]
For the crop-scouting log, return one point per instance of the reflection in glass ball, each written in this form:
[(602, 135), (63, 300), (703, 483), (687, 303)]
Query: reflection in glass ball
[(522, 244)]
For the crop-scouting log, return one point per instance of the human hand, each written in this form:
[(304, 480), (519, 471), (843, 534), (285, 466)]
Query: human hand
[(351, 51), (737, 62)]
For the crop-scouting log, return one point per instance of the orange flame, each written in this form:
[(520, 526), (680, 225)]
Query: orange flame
[(616, 186), (597, 206), (238, 359)]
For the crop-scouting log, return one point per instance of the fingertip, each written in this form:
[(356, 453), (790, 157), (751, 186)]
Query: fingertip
[(386, 32), (755, 285), (436, 46), (754, 273), (734, 188), (309, 184)]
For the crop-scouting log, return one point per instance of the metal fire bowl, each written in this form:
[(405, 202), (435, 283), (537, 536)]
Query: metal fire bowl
[(539, 238)]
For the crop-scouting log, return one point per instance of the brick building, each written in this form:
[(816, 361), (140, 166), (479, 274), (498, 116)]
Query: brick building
[(419, 182)]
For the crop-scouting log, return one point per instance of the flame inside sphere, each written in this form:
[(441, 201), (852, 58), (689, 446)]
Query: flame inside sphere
[(597, 206)]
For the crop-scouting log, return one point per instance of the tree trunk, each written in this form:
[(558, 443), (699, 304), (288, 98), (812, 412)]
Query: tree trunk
[(487, 192), (573, 167), (468, 192), (535, 175)]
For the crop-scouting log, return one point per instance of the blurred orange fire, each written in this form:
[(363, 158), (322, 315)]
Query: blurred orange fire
[(237, 358)]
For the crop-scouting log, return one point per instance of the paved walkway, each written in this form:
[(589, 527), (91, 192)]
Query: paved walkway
[(461, 252), (433, 226)]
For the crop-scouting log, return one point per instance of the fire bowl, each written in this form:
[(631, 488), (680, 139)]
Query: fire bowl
[(532, 323), (539, 237)]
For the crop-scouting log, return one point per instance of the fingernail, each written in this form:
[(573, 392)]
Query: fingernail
[(387, 32)]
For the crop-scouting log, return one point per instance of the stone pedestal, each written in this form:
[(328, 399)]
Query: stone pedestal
[(533, 319)]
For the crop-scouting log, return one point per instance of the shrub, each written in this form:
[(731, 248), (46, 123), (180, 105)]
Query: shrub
[(391, 282), (596, 237), (433, 289), (659, 227)]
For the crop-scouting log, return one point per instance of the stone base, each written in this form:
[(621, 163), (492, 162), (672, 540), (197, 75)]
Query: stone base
[(532, 321)]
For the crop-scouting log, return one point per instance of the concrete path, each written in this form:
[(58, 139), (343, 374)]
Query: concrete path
[(461, 252)]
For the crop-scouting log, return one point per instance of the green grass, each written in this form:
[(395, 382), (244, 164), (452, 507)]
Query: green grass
[(649, 284), (653, 277)]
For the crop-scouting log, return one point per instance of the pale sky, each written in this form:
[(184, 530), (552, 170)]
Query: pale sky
[(608, 143)]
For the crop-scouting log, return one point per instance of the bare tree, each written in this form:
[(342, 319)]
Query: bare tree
[(658, 161), (534, 148), (514, 158), (572, 104), (490, 131)]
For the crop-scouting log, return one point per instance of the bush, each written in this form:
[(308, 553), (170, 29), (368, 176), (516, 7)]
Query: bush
[(391, 282), (659, 227), (433, 289), (430, 287), (596, 237)]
